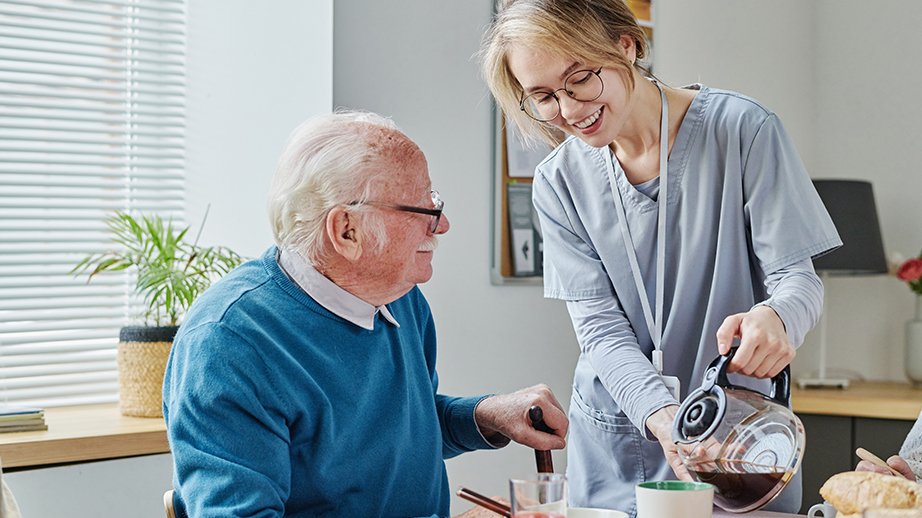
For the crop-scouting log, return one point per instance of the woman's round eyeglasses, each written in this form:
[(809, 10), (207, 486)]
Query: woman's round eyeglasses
[(582, 85), (435, 213)]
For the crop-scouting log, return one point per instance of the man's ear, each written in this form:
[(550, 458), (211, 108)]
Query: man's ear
[(344, 233)]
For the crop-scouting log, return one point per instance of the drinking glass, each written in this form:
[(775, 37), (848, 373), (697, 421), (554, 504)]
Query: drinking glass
[(538, 495)]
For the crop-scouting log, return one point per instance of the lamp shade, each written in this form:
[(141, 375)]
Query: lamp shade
[(850, 204)]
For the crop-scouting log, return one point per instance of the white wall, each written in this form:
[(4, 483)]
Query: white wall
[(843, 76), (254, 71), (412, 60), (869, 65)]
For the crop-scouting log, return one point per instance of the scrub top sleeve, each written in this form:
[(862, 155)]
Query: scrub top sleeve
[(606, 338), (787, 220), (572, 267), (796, 295)]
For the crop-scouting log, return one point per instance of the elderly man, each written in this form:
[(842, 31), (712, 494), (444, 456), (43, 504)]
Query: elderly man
[(304, 383)]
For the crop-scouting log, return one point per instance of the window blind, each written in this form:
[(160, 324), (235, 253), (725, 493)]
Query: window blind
[(91, 121)]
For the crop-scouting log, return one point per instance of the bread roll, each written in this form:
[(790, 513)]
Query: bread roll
[(854, 491)]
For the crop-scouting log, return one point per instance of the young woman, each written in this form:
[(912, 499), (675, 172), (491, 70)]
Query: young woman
[(675, 221)]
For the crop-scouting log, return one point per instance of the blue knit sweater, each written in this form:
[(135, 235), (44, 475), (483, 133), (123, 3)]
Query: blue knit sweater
[(276, 407)]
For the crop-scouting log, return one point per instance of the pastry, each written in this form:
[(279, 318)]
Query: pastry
[(854, 491)]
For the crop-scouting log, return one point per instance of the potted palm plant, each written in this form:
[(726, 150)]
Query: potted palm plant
[(170, 275)]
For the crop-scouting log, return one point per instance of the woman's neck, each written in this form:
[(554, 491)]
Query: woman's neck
[(640, 133), (637, 145)]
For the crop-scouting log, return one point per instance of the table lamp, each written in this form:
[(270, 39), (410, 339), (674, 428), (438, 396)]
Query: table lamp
[(850, 204)]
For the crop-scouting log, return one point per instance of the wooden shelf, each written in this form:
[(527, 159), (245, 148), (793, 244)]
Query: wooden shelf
[(83, 434), (877, 399)]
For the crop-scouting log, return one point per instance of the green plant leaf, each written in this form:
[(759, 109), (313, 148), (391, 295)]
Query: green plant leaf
[(171, 274)]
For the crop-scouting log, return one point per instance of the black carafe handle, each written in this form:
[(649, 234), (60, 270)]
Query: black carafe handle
[(716, 374)]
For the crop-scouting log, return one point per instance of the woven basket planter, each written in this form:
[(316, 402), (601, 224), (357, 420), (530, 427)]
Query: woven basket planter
[(142, 356)]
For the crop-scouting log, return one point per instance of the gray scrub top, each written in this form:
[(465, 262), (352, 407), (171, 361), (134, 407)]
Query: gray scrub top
[(740, 206)]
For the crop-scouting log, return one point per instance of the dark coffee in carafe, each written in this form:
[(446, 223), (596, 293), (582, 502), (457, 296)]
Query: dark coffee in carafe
[(746, 444)]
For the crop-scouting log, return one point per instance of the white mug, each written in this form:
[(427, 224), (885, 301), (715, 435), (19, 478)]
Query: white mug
[(664, 498), (825, 509)]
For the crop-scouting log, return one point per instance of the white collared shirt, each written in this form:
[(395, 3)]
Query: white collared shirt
[(329, 295)]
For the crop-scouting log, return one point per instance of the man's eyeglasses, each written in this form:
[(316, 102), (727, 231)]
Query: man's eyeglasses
[(434, 213), (583, 86)]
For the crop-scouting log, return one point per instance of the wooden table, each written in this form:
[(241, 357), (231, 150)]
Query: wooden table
[(876, 399), (83, 434)]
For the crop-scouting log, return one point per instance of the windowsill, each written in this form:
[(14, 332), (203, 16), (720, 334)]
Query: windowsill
[(84, 433)]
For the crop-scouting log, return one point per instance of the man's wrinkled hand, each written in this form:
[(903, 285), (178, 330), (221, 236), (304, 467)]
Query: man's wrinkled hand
[(507, 415)]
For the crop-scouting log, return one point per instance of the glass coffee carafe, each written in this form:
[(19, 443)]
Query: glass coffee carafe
[(748, 445)]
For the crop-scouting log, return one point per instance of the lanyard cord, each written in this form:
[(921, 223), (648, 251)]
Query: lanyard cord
[(655, 326)]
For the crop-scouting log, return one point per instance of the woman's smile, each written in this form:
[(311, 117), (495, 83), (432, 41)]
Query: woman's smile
[(589, 121)]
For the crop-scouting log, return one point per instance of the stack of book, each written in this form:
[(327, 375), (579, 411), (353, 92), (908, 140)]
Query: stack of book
[(15, 418)]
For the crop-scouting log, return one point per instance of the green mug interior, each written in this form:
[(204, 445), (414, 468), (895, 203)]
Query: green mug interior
[(675, 485)]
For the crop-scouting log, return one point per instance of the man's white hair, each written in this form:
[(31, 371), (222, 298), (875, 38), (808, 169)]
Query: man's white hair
[(325, 165)]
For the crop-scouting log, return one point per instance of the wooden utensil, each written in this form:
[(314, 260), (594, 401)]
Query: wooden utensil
[(483, 501), (542, 457), (864, 454)]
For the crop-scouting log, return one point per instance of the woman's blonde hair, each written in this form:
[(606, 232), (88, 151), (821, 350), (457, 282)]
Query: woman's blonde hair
[(587, 31)]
